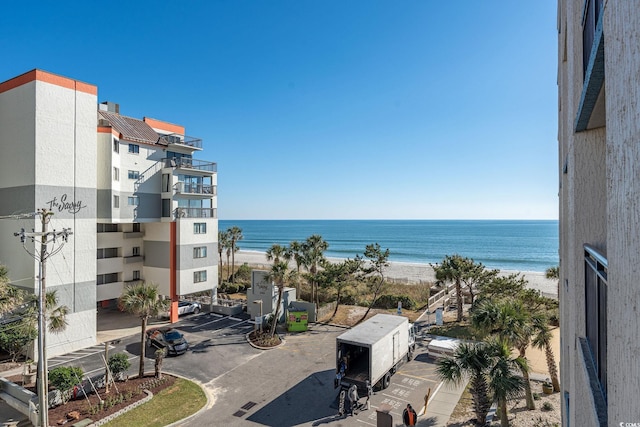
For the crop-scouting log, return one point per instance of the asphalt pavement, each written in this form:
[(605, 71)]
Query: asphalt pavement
[(291, 385)]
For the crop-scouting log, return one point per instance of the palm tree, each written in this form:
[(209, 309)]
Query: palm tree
[(276, 252), (542, 340), (313, 249), (512, 324), (451, 269), (471, 360), (553, 273), (504, 383), (281, 275), (235, 235), (144, 301), (295, 253), (223, 242)]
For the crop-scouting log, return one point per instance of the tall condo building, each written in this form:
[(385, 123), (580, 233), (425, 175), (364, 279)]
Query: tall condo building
[(140, 203), (599, 163)]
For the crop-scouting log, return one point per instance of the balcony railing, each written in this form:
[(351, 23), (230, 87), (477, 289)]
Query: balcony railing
[(180, 140), (195, 213), (133, 259), (186, 188), (188, 163), (591, 15)]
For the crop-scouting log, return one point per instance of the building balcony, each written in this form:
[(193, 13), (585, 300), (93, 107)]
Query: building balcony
[(174, 140), (195, 213), (184, 188), (133, 259), (132, 234), (190, 164)]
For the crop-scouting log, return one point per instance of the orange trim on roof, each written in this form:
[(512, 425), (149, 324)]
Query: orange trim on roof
[(107, 129), (165, 126), (50, 78)]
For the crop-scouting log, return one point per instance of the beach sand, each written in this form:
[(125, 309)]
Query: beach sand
[(405, 272)]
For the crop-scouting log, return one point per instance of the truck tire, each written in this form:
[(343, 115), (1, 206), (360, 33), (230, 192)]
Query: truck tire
[(386, 380)]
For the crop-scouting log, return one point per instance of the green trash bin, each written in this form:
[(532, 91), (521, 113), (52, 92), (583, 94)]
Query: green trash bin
[(297, 321)]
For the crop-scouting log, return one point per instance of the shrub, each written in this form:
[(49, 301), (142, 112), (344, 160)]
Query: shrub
[(231, 288), (547, 406), (243, 274), (391, 301), (118, 362), (65, 377)]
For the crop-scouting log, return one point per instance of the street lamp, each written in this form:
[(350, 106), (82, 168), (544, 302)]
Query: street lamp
[(259, 302)]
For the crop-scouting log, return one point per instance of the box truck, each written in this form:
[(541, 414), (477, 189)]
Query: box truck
[(371, 352)]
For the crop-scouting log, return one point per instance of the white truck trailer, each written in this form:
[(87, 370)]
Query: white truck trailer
[(373, 350)]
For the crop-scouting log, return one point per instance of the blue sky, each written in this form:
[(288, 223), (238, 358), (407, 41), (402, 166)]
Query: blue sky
[(328, 109)]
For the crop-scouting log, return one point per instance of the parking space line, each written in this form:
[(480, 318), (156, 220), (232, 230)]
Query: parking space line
[(234, 318), (64, 358), (208, 323)]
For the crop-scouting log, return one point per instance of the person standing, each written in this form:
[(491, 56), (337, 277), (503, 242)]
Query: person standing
[(409, 416), (353, 399)]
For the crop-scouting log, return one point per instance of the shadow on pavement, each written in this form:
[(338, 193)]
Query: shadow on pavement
[(293, 407)]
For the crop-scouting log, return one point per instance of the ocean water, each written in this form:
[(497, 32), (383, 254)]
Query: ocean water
[(520, 245)]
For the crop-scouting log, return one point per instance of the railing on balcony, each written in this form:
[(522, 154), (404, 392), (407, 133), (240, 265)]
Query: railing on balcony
[(186, 188), (181, 140), (133, 259), (590, 17), (195, 213), (188, 163)]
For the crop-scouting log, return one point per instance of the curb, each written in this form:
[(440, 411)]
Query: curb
[(282, 342), (199, 411)]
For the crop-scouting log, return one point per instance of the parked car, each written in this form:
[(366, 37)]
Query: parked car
[(184, 307), (169, 339), (189, 307)]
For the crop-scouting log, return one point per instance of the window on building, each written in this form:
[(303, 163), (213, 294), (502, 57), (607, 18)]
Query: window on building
[(136, 227), (134, 148), (107, 228), (116, 146), (136, 274), (166, 208), (134, 174), (199, 228), (200, 252), (103, 279), (166, 182), (107, 253), (116, 174), (595, 289), (136, 250), (116, 201), (199, 276), (133, 200)]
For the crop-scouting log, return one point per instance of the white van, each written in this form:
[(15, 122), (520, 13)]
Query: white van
[(442, 347)]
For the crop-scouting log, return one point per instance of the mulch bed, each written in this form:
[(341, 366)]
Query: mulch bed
[(131, 390)]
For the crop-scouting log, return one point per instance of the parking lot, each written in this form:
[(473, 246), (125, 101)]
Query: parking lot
[(288, 385)]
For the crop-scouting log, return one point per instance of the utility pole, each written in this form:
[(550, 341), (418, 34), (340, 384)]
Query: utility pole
[(57, 240)]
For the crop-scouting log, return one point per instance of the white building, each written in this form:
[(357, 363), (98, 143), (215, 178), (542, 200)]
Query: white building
[(140, 204), (599, 151)]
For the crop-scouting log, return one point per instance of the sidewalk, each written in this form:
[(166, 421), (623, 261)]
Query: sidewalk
[(442, 402)]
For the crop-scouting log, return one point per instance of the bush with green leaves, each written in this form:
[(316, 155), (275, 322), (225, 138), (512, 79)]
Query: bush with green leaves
[(231, 288), (391, 301), (65, 377), (15, 336), (118, 362), (243, 274)]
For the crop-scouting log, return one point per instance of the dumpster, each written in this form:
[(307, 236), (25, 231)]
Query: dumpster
[(297, 321)]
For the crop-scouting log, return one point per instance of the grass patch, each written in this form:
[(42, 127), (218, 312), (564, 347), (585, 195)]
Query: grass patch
[(172, 404), (462, 330)]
